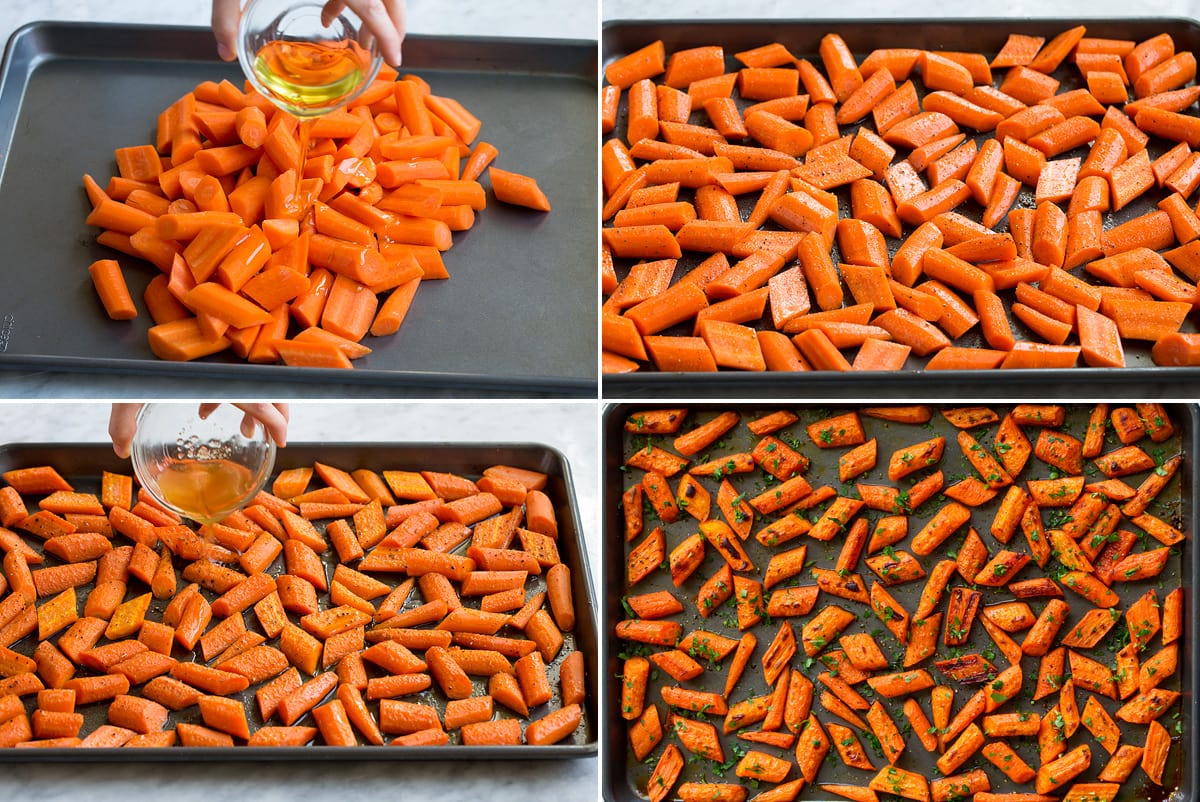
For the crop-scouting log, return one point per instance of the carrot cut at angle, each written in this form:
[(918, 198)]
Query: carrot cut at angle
[(183, 340), (311, 354), (225, 306), (517, 190), (393, 311)]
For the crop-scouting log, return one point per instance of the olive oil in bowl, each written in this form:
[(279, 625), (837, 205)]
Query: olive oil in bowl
[(302, 60), (311, 78), (201, 468), (205, 491)]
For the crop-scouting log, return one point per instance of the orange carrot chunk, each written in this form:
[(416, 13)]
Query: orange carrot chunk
[(111, 287), (518, 190)]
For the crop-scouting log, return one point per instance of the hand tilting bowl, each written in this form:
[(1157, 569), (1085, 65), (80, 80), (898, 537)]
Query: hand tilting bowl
[(302, 65), (202, 468)]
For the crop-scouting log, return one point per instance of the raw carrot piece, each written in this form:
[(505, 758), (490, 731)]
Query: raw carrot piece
[(517, 189), (939, 72), (183, 340), (1049, 234), (1130, 179), (878, 354), (111, 287), (920, 129), (226, 306), (116, 216), (732, 345), (864, 98), (311, 354), (1170, 73), (1083, 238), (1174, 100)]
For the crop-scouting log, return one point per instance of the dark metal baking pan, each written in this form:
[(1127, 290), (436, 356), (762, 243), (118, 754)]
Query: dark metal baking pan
[(516, 315), (984, 35), (82, 465), (624, 779)]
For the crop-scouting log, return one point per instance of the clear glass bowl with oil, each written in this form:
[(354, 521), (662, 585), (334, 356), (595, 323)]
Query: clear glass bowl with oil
[(305, 67), (201, 468)]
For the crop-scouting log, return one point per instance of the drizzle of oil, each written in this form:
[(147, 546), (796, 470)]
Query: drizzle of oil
[(311, 77), (205, 490)]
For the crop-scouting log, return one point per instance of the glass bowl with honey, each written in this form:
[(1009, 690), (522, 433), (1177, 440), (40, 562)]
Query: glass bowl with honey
[(201, 468), (303, 65)]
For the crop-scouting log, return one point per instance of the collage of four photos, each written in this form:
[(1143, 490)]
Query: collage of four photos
[(599, 399)]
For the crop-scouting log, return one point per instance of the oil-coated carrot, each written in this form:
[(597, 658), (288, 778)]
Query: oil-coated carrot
[(1177, 348), (819, 351), (226, 306), (776, 133), (244, 657)]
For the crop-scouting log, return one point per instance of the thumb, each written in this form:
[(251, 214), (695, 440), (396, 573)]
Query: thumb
[(225, 17), (122, 424)]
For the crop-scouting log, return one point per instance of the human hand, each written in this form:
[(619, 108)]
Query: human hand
[(383, 18), (122, 423)]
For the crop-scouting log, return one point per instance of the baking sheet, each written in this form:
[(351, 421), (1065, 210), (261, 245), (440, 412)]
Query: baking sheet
[(802, 38), (516, 315), (82, 465), (622, 776)]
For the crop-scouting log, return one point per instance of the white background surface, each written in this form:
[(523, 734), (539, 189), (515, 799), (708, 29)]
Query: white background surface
[(571, 428)]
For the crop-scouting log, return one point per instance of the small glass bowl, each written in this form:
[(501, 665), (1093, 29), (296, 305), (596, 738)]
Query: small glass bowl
[(302, 66), (202, 469)]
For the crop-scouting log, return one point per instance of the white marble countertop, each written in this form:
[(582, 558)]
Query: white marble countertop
[(572, 428), (560, 19)]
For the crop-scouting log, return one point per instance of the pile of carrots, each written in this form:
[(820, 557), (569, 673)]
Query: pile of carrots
[(276, 241), (298, 612), (988, 607), (934, 150)]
